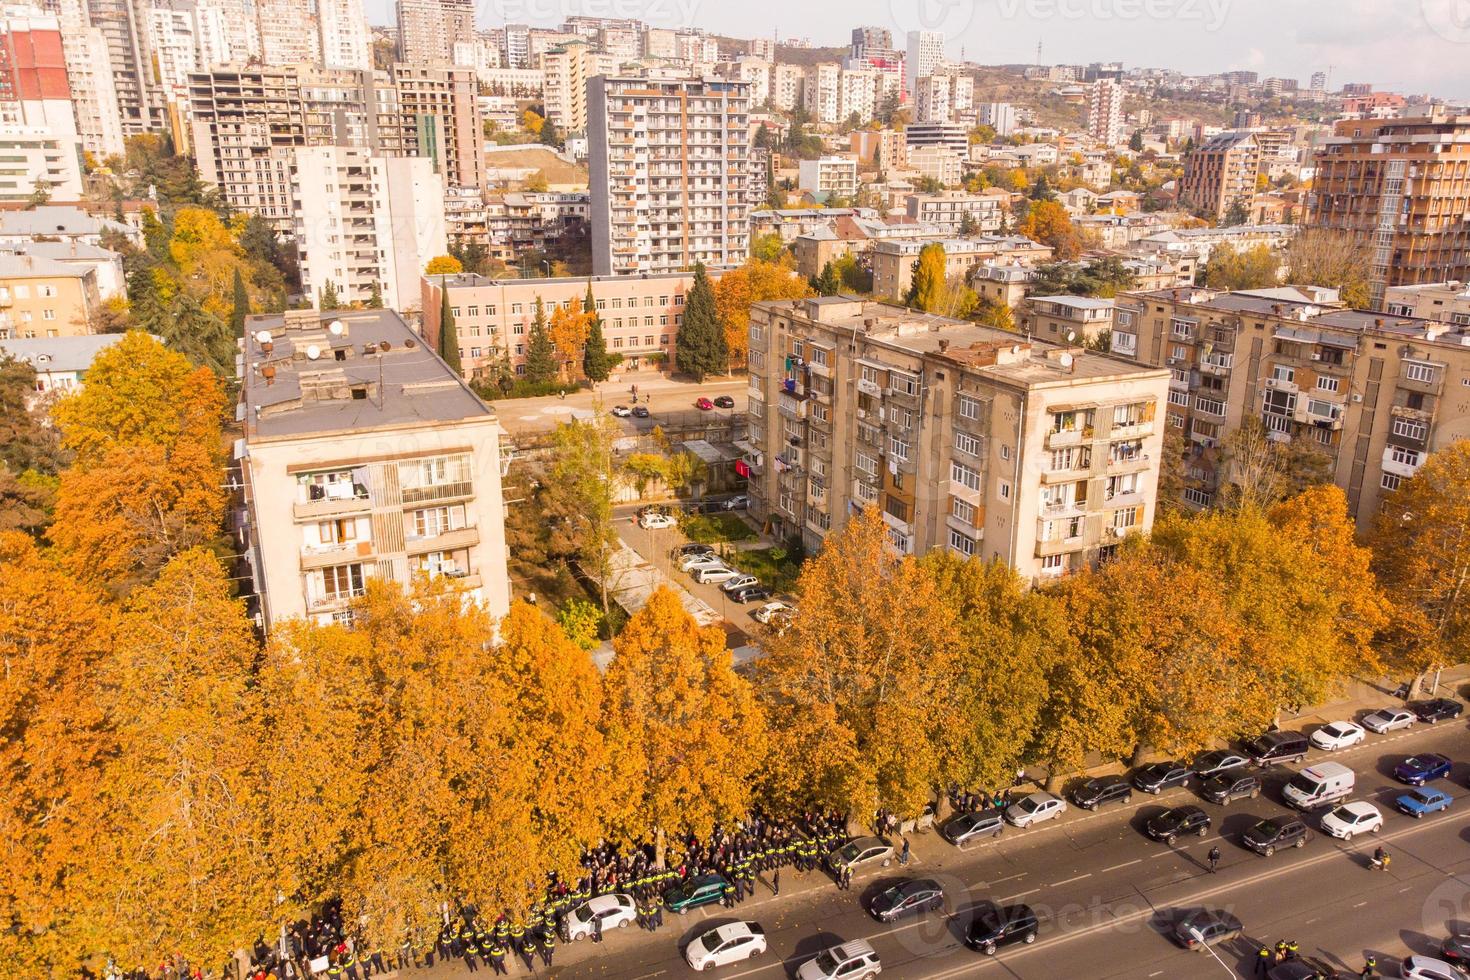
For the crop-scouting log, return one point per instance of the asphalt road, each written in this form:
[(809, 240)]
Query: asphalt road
[(1106, 893)]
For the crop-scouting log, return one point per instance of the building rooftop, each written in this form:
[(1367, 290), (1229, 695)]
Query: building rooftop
[(1076, 302), (303, 376), (61, 251), (57, 220), (59, 354), (22, 265)]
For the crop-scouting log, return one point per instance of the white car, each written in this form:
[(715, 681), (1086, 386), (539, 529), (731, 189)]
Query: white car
[(774, 610), (690, 562), (855, 960), (622, 411), (1388, 719), (726, 944), (1428, 968), (740, 582), (656, 522), (714, 576), (1034, 809), (1338, 735), (1350, 819), (613, 911)]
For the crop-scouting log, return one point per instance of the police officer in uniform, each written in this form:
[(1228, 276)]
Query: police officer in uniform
[(471, 954), (548, 946), (497, 957), (1263, 960)]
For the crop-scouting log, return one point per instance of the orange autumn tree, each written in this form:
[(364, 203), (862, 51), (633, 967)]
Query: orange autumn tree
[(568, 329), (53, 741), (685, 731), (753, 282), (1047, 222)]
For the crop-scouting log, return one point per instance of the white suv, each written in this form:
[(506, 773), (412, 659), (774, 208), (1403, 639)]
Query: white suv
[(726, 944), (851, 961)]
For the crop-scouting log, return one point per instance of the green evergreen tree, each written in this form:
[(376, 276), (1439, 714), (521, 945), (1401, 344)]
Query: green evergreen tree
[(375, 298), (328, 298), (829, 283), (1135, 142), (540, 352), (595, 362), (198, 334), (145, 308), (1041, 190), (242, 306), (448, 335), (699, 346)]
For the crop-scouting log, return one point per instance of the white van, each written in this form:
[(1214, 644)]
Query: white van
[(1326, 782)]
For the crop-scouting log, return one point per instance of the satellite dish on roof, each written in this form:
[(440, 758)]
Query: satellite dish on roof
[(1066, 361), (313, 352), (336, 327), (263, 337), (1071, 336)]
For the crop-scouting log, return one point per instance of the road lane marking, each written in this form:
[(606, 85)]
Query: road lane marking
[(1009, 878), (1058, 884), (1123, 865), (1022, 894)]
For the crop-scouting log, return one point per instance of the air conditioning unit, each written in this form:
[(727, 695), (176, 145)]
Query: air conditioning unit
[(1357, 399), (1316, 356)]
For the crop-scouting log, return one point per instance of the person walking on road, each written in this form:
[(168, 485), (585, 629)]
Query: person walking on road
[(903, 857), (1214, 857)]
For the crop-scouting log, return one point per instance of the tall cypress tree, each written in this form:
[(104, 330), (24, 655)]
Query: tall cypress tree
[(595, 362), (448, 336), (700, 348), (329, 300), (375, 298), (540, 352), (242, 306)]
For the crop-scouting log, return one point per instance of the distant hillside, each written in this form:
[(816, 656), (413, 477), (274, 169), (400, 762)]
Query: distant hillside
[(808, 56)]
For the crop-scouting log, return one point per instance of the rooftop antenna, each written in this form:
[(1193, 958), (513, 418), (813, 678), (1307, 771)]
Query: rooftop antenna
[(1038, 52)]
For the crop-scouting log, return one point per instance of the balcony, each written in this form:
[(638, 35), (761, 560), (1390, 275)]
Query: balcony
[(869, 388), (454, 490), (976, 530), (326, 507), (1061, 438), (334, 600), (324, 556), (1057, 546), (464, 537)]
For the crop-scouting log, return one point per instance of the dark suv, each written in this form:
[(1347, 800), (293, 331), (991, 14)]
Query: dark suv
[(1440, 709), (1095, 792), (1172, 824), (1215, 762), (1231, 785), (995, 927), (1274, 747), (1159, 776), (1266, 837)]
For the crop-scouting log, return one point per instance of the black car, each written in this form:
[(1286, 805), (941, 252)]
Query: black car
[(910, 897), (1274, 747), (995, 927), (1158, 776), (1456, 950), (1268, 836), (1231, 785), (1095, 792), (1216, 762), (1172, 824), (692, 549), (1301, 970), (724, 401), (1440, 709), (751, 593), (640, 411)]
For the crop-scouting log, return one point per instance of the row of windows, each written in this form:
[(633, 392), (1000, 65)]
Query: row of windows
[(616, 303)]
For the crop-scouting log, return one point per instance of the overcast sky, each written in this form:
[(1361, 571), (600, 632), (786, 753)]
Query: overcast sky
[(1405, 45)]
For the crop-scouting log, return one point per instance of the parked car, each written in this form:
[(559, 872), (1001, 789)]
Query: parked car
[(622, 411), (612, 911), (1428, 968), (1456, 949), (1213, 763), (1424, 800), (640, 411), (1274, 747), (1206, 928), (1351, 819), (907, 898), (1269, 836), (1034, 809), (724, 401), (689, 563), (647, 509), (1174, 823), (1301, 969), (859, 853), (1234, 784), (704, 404), (1314, 786), (772, 611), (1095, 792), (1388, 719), (995, 927), (726, 944), (1158, 776), (692, 549), (1437, 710), (751, 593), (972, 826), (656, 522), (697, 891), (714, 576), (740, 501), (856, 960), (740, 582), (1423, 768), (1338, 735)]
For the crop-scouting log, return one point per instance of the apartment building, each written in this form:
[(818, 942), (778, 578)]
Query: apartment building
[(1372, 392), (953, 136), (60, 363), (1444, 302), (1221, 173), (937, 163), (939, 98), (1404, 185), (35, 158), (829, 176), (947, 209), (139, 100), (427, 29), (668, 161), (41, 297), (1105, 112), (564, 93), (964, 437), (821, 93), (431, 111), (345, 40), (886, 149), (1002, 283), (787, 82), (925, 55), (492, 317), (892, 260), (363, 457), (1066, 319), (363, 221)]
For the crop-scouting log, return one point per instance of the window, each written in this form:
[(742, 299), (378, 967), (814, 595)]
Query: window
[(1423, 373), (1125, 517), (1323, 409), (900, 541), (1283, 373), (434, 521), (1005, 452), (1198, 498), (898, 449), (516, 308), (873, 376), (903, 384), (964, 475), (961, 544), (1324, 383), (865, 492), (821, 357), (1179, 398), (473, 311), (342, 582), (1053, 564), (1410, 429), (1408, 457), (1391, 481), (866, 465), (967, 444), (341, 531), (962, 510), (896, 508), (1209, 406), (518, 329), (1118, 486), (1005, 490)]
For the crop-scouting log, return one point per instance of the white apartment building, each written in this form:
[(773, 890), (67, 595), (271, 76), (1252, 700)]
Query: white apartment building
[(831, 175), (668, 161), (954, 136), (695, 48), (946, 211), (362, 220), (787, 82), (89, 75), (427, 30), (517, 46), (346, 42), (564, 90), (658, 42), (821, 94), (363, 457), (938, 163), (1105, 112), (940, 98), (186, 37), (290, 33), (33, 157), (757, 72), (999, 116), (858, 93), (925, 55)]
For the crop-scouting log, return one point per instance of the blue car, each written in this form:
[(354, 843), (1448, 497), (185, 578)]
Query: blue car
[(1426, 767), (1423, 801)]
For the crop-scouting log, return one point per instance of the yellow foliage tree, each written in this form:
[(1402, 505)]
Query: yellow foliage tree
[(443, 265), (684, 730), (568, 329), (1047, 222), (753, 282)]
